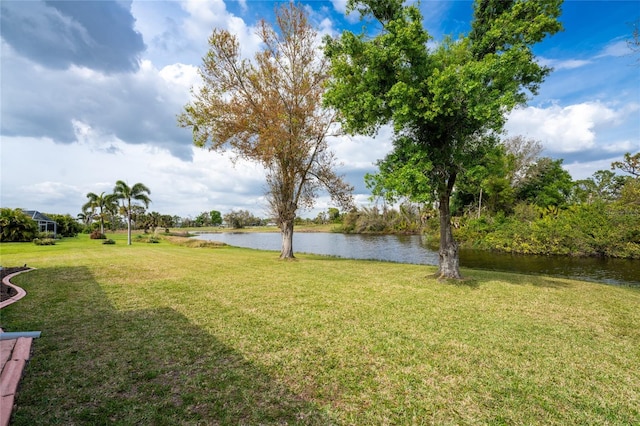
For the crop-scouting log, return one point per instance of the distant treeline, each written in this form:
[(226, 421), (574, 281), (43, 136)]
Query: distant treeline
[(529, 207)]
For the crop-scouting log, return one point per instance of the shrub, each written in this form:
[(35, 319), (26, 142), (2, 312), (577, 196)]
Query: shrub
[(67, 225), (97, 235), (15, 226), (109, 241), (153, 240), (44, 241)]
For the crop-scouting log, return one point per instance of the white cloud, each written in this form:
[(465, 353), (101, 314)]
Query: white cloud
[(361, 152), (182, 77), (31, 179), (622, 146), (205, 16), (565, 129), (585, 169), (341, 7), (615, 48), (566, 64)]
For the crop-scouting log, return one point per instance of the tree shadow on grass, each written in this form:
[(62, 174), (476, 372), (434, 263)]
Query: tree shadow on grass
[(96, 365), (476, 278)]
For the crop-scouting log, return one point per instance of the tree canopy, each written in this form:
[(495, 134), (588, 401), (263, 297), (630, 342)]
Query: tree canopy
[(445, 102)]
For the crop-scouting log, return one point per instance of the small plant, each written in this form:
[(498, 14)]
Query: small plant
[(97, 235), (44, 241), (108, 241), (153, 240)]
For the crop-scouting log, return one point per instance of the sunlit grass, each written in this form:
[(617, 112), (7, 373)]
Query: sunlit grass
[(167, 334)]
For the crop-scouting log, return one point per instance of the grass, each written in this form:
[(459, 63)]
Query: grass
[(170, 334)]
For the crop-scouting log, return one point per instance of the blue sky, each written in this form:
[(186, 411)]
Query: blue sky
[(90, 91)]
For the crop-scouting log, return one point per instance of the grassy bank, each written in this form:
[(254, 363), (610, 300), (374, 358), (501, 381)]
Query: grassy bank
[(169, 334)]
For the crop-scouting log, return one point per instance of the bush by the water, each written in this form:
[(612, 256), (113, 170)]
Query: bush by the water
[(597, 229)]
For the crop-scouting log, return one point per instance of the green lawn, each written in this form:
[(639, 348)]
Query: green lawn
[(169, 334)]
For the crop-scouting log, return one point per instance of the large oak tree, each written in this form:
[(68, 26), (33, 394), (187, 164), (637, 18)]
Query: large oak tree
[(269, 111), (447, 102)]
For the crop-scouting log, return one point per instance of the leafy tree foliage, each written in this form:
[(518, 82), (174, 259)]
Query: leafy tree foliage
[(444, 101), (153, 220), (630, 193), (604, 185), (15, 226), (600, 218), (67, 226), (241, 218), (130, 195), (596, 229), (545, 184), (203, 219), (270, 111), (486, 185), (216, 217)]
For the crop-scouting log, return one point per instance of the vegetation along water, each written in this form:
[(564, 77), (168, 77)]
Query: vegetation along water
[(415, 249)]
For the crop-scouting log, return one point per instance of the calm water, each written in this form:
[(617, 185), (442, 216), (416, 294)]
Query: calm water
[(411, 249)]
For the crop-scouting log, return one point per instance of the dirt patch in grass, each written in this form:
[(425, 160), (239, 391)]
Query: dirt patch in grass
[(6, 291)]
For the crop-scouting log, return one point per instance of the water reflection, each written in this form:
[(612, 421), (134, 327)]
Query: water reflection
[(411, 249)]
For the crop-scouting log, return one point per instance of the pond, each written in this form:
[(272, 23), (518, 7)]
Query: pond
[(411, 249)]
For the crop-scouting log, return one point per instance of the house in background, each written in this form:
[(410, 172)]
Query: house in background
[(45, 224)]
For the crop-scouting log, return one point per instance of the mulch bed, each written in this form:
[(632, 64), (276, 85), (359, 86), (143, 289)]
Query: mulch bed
[(6, 291)]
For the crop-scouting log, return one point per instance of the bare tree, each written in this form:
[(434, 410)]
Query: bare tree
[(634, 41), (523, 152), (270, 111), (630, 164)]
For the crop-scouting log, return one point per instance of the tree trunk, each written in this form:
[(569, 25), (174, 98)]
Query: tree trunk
[(129, 228), (286, 228), (448, 254)]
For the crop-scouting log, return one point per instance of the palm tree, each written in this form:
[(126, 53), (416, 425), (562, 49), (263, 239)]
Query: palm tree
[(137, 192), (103, 202), (85, 217)]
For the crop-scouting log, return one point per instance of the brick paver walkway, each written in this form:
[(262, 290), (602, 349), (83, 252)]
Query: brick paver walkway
[(14, 354)]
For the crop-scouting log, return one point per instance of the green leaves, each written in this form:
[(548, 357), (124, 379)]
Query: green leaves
[(16, 226), (443, 103)]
